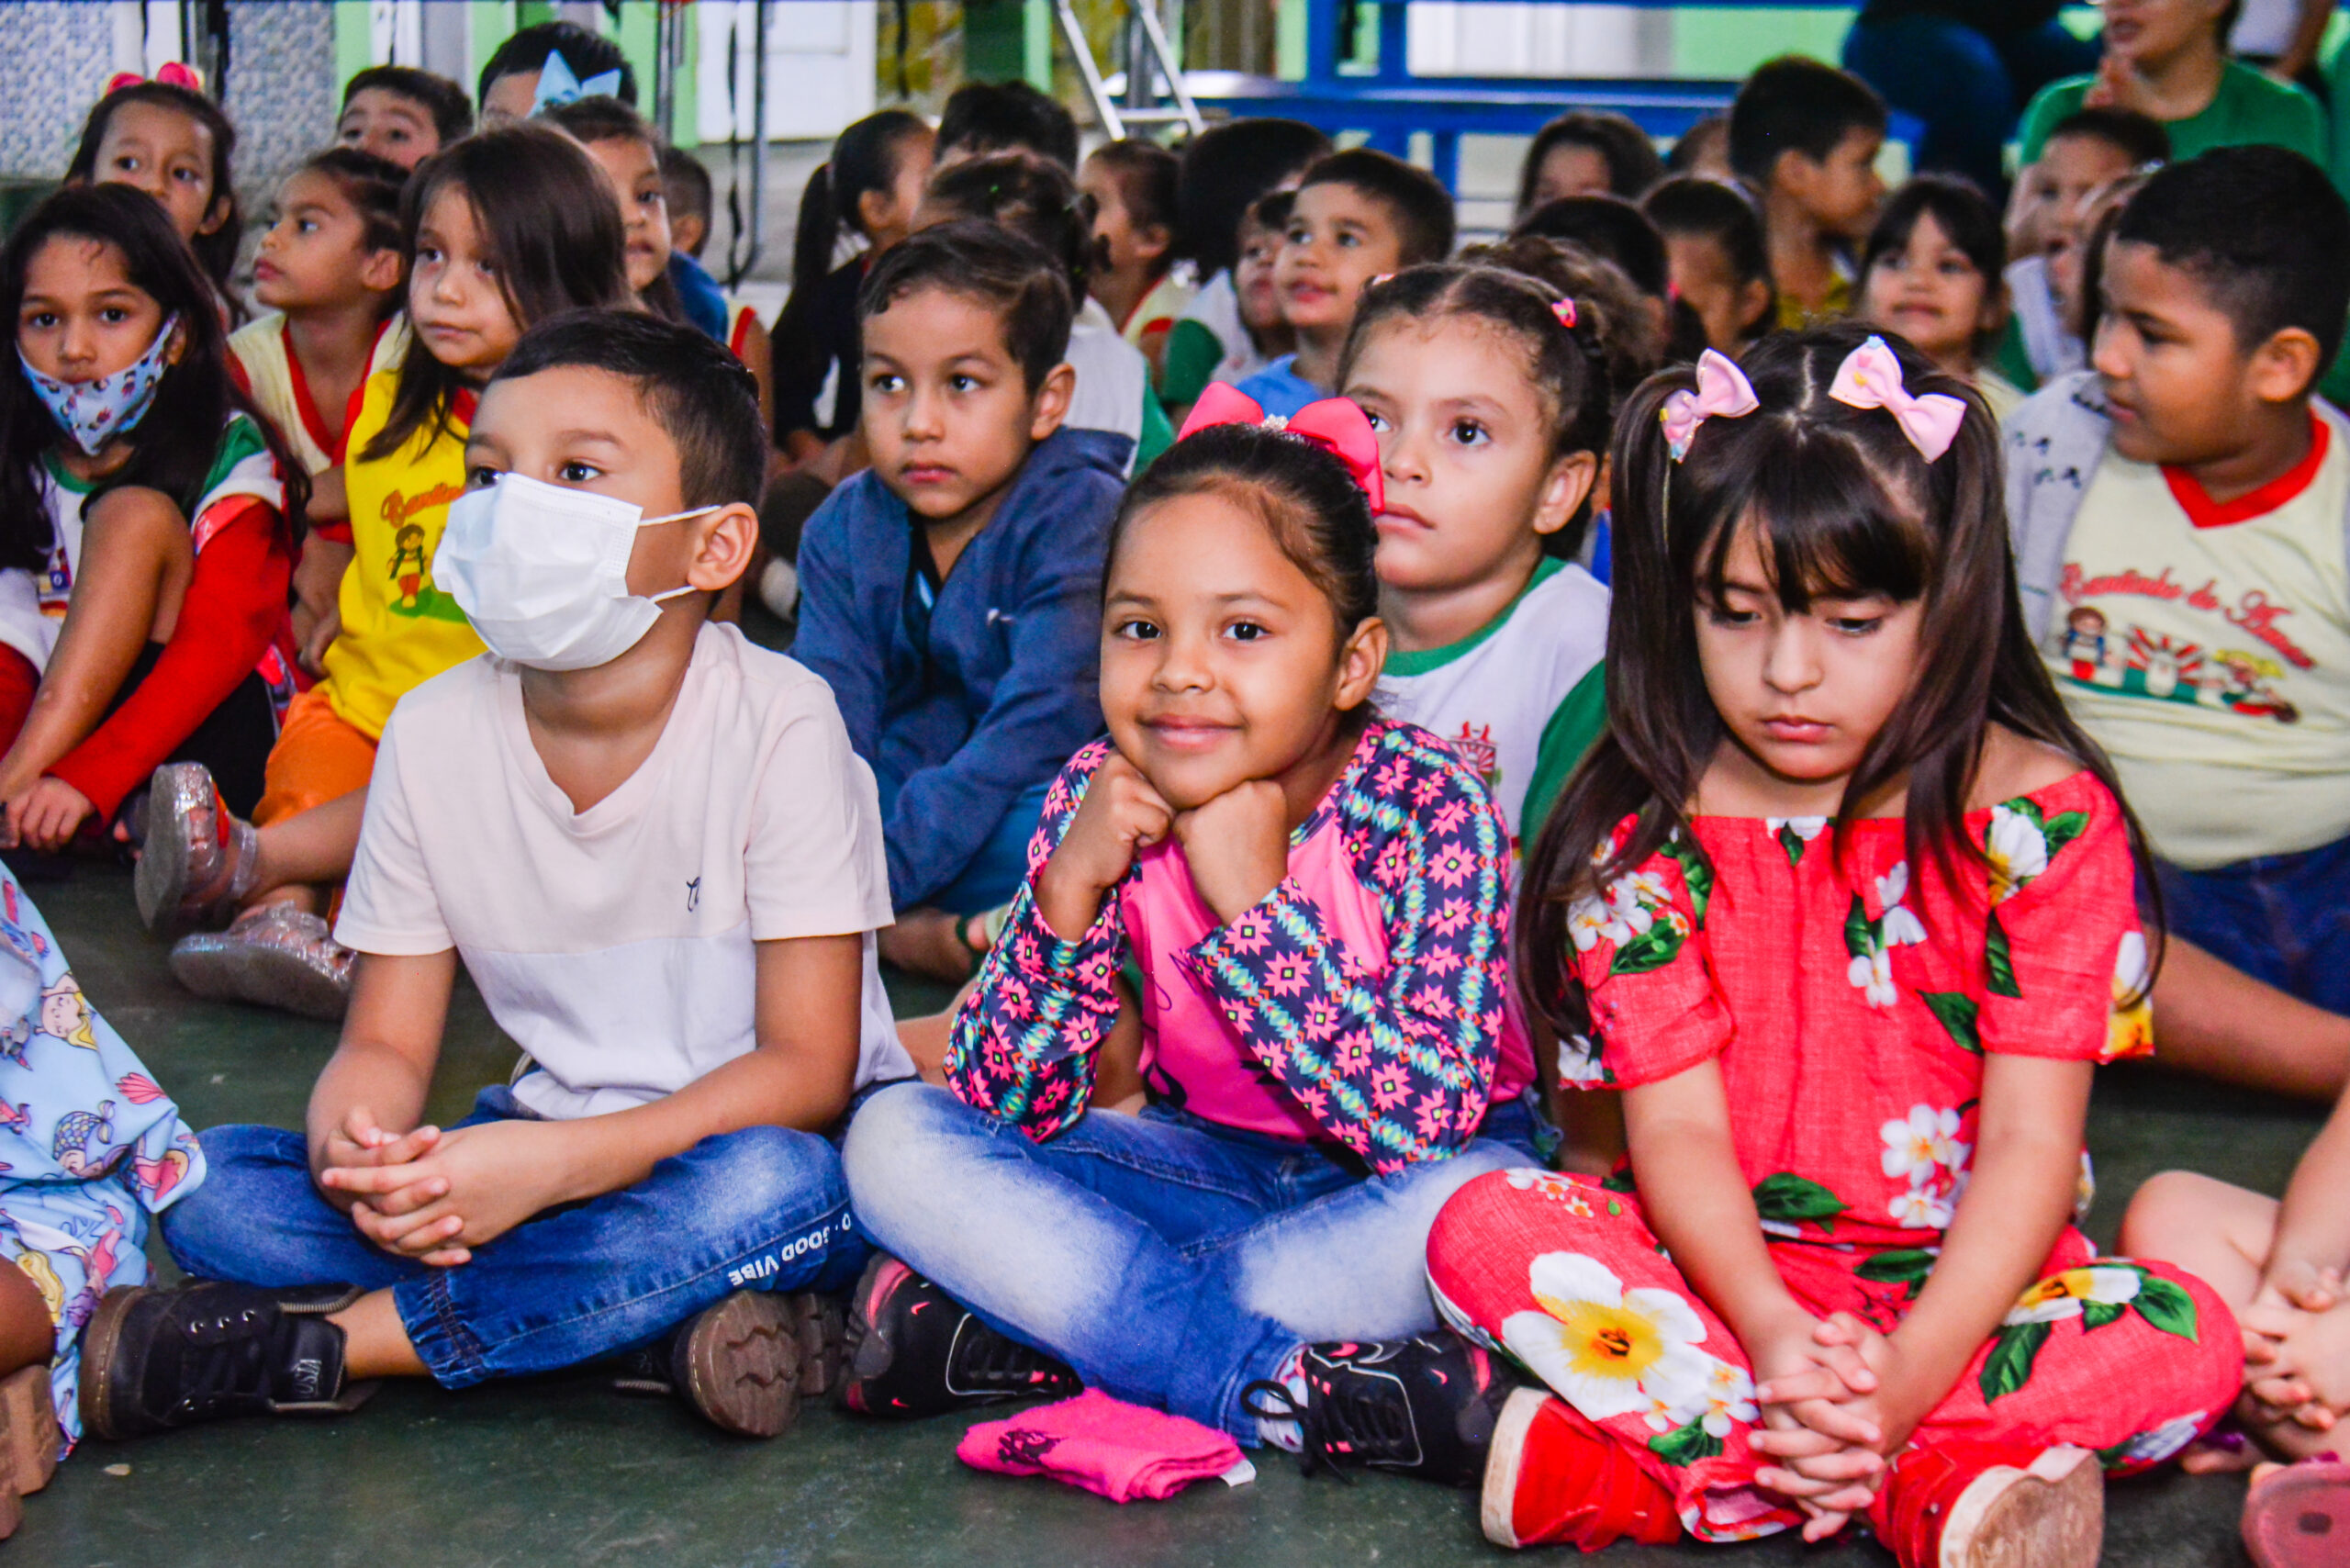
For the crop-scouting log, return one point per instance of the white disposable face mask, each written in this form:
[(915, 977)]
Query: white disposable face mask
[(541, 571)]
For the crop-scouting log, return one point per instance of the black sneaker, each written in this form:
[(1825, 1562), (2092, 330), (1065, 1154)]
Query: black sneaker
[(915, 1351), (745, 1363), (153, 1360), (1423, 1406)]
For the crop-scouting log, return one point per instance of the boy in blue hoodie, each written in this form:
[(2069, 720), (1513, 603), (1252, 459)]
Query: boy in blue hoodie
[(952, 593)]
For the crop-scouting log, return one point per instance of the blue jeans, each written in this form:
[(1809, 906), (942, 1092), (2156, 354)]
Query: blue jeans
[(1970, 87), (2281, 918), (1170, 1261), (995, 872), (764, 1208)]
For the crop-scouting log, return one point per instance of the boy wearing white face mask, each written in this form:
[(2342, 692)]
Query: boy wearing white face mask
[(651, 845)]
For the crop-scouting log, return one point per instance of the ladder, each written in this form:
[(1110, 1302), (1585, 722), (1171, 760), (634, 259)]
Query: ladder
[(1150, 64)]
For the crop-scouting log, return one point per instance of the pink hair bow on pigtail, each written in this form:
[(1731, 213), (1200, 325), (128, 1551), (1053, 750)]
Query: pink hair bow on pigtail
[(171, 73), (1870, 377), (1722, 392), (1335, 424)]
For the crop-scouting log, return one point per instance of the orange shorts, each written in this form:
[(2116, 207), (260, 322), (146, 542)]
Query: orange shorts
[(320, 756)]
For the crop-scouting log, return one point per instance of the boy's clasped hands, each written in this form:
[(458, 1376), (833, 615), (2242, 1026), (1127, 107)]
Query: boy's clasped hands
[(1838, 1401), (433, 1195)]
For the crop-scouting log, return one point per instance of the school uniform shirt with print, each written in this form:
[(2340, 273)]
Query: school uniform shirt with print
[(264, 365), (399, 628), (2207, 647), (1520, 700), (617, 946)]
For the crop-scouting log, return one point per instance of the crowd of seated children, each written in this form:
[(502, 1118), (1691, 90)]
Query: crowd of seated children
[(1357, 214), (494, 472)]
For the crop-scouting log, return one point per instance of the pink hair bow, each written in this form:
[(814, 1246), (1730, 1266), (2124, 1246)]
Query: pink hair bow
[(1870, 377), (171, 73), (1722, 392), (1335, 425)]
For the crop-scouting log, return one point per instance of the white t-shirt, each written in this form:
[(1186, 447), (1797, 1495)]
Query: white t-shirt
[(1113, 377), (1522, 699), (614, 945)]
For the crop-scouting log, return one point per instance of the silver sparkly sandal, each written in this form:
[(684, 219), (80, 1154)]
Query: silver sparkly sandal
[(276, 955), (200, 859)]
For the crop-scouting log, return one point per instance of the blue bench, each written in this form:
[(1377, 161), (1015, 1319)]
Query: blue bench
[(1389, 103)]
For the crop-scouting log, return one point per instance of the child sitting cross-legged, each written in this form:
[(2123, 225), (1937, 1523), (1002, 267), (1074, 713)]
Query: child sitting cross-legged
[(1316, 898), (652, 847), (953, 587), (1357, 215), (2180, 512), (1843, 903)]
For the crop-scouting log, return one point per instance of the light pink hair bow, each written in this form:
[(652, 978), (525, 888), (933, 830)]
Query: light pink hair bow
[(1723, 390), (1870, 377)]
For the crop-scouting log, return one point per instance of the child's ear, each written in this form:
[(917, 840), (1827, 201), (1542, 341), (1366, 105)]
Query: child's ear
[(1754, 305), (214, 217), (878, 209), (1151, 241), (1795, 173), (1563, 488), (2285, 366), (723, 553), (379, 273), (1359, 661), (1048, 405), (177, 348)]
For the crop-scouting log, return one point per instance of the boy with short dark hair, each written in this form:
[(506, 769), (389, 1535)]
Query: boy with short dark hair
[(651, 846), (2190, 490), (1005, 117), (1358, 215), (953, 591), (403, 114), (592, 64), (1804, 137)]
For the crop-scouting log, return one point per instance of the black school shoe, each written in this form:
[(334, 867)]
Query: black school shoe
[(915, 1350), (745, 1363), (1422, 1406), (153, 1360)]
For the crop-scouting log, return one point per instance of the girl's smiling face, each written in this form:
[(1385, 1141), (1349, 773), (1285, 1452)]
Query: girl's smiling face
[(1929, 291), (1222, 662), (170, 156), (82, 316)]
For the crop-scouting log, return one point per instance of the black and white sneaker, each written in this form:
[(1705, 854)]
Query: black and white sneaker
[(915, 1350), (747, 1363), (153, 1360), (1423, 1406)]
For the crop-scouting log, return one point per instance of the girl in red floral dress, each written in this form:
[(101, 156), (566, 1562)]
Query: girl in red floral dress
[(1844, 905)]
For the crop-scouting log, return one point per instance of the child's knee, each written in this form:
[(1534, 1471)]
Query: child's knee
[(2178, 1212), (892, 1155)]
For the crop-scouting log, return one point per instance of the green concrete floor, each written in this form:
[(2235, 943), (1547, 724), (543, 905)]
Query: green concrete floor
[(559, 1471)]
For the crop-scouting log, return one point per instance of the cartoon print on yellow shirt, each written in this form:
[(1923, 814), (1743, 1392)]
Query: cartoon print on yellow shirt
[(2130, 660)]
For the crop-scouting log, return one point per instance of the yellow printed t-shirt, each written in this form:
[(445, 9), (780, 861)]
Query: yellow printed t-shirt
[(2207, 647), (398, 630)]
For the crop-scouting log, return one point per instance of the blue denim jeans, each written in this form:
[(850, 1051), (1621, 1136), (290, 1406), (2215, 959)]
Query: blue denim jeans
[(1170, 1261), (2281, 918), (995, 872), (764, 1208), (1968, 86)]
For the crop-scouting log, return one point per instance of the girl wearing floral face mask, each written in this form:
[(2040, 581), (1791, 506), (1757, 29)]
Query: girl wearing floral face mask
[(147, 524)]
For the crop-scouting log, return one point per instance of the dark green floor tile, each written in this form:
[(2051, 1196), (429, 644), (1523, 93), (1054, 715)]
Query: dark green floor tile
[(560, 1471)]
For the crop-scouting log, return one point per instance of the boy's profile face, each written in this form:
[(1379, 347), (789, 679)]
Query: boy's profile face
[(2182, 389), (1339, 238), (388, 125), (1842, 192), (589, 429), (946, 413)]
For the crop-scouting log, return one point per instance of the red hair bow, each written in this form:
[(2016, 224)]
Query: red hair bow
[(171, 73), (1335, 425)]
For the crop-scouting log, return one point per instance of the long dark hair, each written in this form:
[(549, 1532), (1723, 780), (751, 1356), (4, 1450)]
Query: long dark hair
[(545, 214), (218, 249), (173, 447), (1844, 505), (865, 157)]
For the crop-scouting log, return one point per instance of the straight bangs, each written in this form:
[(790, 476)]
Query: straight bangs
[(1826, 523)]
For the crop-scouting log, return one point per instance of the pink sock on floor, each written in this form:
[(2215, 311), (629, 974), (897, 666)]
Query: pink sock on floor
[(1120, 1450)]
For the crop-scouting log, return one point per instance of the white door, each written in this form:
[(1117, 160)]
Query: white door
[(820, 68), (1540, 40)]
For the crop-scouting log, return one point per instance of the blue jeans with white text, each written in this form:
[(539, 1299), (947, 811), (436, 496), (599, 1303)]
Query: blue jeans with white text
[(761, 1208), (1170, 1261)]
